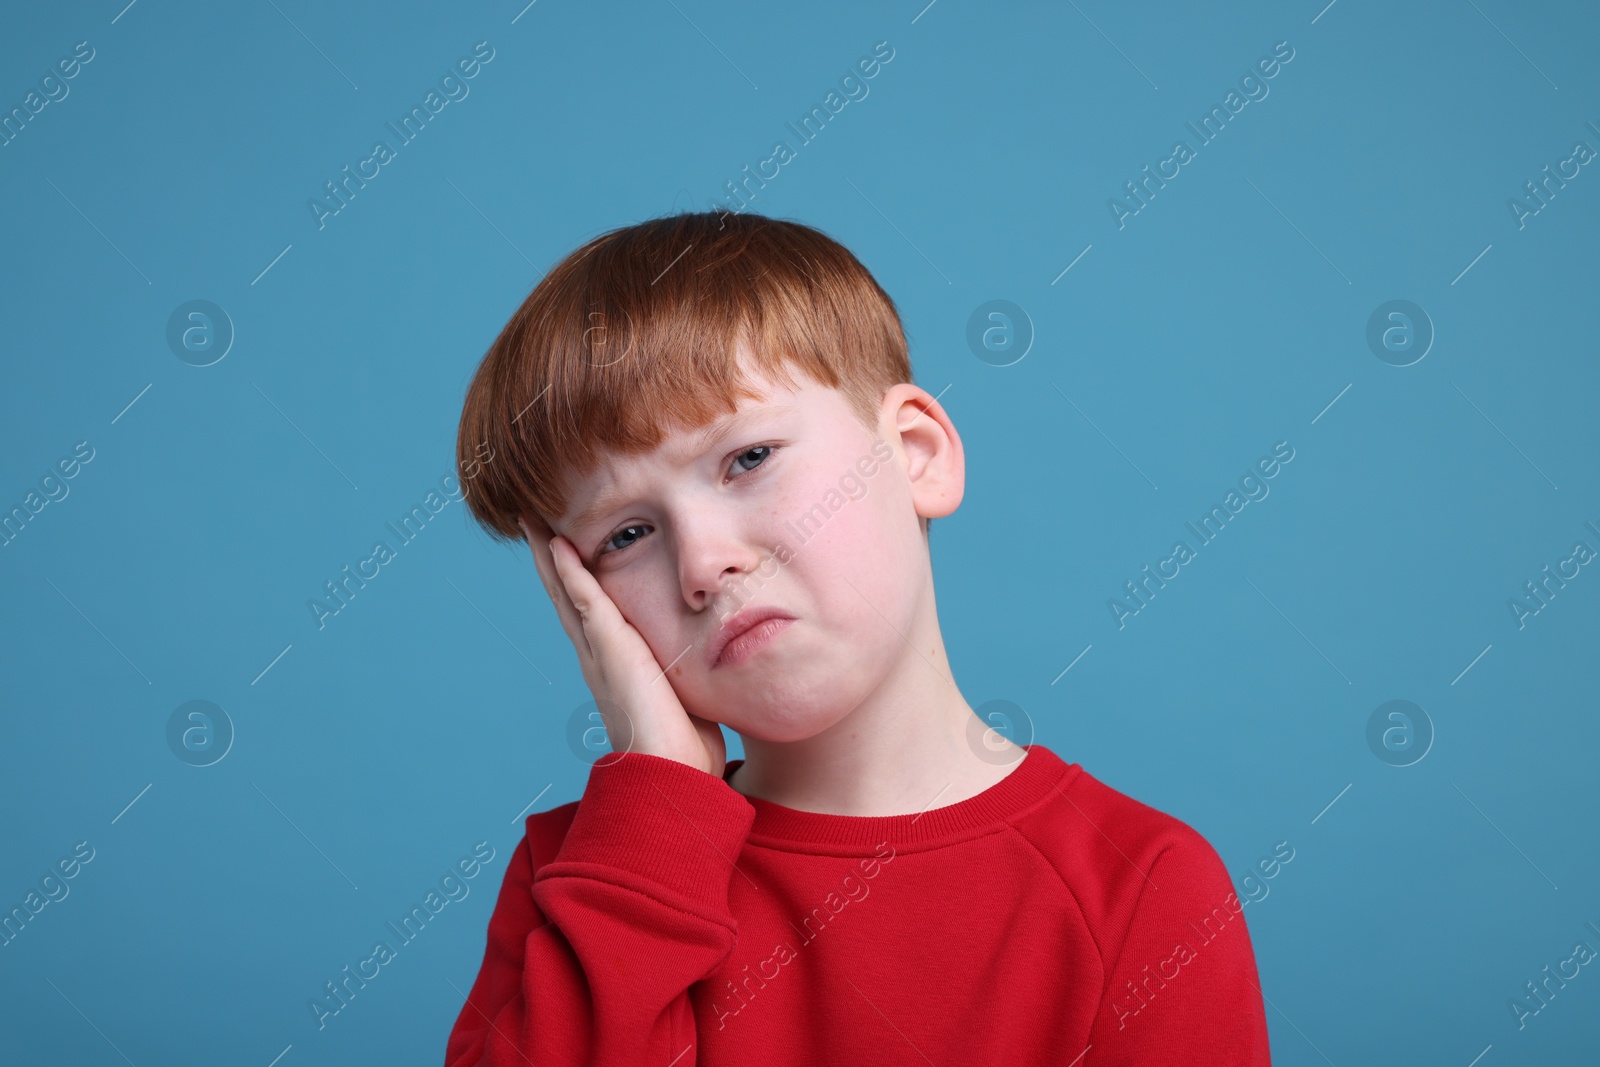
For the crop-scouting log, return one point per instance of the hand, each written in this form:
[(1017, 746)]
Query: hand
[(622, 673)]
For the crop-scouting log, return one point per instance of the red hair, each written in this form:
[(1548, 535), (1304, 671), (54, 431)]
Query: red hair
[(635, 334)]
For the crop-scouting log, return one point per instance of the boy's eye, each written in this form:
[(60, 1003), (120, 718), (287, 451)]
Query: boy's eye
[(761, 454), (765, 450), (611, 542)]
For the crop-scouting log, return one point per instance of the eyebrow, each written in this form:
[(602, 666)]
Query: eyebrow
[(702, 442)]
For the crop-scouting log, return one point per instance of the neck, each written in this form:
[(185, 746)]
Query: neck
[(913, 744)]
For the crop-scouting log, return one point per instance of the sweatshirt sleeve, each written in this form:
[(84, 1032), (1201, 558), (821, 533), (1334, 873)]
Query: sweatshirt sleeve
[(590, 956), (1183, 986)]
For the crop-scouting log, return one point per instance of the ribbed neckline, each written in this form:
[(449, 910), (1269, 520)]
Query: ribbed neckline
[(1038, 776)]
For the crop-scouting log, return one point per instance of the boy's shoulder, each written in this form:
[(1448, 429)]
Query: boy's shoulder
[(1111, 850), (1103, 811)]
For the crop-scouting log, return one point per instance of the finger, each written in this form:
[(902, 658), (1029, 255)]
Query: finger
[(602, 620), (554, 584), (539, 536), (545, 567), (580, 586)]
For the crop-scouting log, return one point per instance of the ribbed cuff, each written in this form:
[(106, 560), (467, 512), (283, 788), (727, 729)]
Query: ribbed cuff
[(662, 820)]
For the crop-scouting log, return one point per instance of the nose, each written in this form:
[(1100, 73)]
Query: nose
[(715, 552)]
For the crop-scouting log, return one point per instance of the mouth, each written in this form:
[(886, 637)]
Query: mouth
[(746, 634)]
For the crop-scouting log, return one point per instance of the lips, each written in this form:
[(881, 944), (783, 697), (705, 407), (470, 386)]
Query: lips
[(741, 623)]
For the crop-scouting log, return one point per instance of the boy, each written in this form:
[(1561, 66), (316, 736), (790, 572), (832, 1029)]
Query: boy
[(706, 430)]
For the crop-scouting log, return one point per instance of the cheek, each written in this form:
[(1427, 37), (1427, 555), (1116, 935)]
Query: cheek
[(639, 597), (854, 565)]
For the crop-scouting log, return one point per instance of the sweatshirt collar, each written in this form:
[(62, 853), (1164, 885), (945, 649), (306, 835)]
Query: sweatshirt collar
[(1035, 779)]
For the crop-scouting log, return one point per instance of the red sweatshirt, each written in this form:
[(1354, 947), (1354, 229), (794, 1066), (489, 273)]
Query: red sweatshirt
[(665, 919)]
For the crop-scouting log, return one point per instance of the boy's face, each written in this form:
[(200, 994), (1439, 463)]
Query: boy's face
[(789, 504)]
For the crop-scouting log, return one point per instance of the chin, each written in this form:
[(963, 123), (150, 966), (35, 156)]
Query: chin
[(788, 719)]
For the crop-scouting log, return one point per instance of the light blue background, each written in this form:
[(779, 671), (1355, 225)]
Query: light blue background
[(1229, 314)]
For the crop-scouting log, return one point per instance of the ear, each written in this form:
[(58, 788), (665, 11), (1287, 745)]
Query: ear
[(920, 431)]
